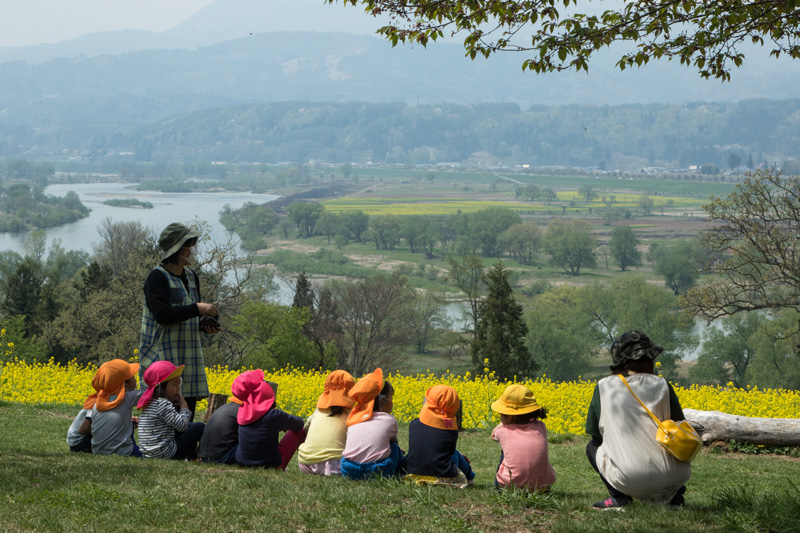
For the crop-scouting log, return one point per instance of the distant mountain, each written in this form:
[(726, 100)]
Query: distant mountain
[(147, 85), (221, 20)]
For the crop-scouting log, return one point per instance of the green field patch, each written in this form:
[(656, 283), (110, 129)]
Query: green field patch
[(420, 206)]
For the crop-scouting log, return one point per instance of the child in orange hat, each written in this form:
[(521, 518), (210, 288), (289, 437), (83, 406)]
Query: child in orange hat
[(110, 382), (432, 455), (112, 408), (321, 453), (522, 436), (260, 423), (371, 448)]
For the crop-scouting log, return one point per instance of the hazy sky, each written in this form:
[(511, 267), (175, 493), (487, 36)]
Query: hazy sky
[(24, 22)]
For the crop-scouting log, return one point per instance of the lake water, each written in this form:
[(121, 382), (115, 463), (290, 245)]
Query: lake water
[(167, 208)]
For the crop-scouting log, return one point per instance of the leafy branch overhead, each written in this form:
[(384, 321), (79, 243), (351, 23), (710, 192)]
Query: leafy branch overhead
[(706, 35)]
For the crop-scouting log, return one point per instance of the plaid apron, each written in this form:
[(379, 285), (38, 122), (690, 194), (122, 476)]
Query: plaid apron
[(178, 343)]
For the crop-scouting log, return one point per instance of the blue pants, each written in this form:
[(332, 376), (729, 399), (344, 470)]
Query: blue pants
[(392, 465), (228, 458), (462, 464), (187, 441)]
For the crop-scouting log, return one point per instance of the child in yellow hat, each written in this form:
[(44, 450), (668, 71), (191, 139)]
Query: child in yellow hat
[(522, 435), (432, 455), (371, 448), (321, 453)]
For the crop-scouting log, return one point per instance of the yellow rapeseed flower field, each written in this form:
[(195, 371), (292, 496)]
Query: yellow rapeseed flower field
[(298, 390)]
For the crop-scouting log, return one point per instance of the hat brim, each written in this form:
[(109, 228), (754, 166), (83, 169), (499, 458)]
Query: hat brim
[(334, 398), (191, 234), (174, 374), (134, 370), (504, 409)]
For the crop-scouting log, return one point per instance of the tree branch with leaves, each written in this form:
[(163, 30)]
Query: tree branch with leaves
[(562, 35)]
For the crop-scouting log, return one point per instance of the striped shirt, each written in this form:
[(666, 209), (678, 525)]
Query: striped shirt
[(157, 426)]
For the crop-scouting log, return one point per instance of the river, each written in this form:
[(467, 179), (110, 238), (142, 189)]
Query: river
[(167, 208)]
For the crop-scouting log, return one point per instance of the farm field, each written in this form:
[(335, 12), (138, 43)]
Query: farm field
[(677, 214)]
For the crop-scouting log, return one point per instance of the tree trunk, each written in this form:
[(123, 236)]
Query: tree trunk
[(722, 426), (215, 401)]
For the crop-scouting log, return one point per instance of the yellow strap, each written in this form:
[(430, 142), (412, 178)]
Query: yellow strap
[(649, 412)]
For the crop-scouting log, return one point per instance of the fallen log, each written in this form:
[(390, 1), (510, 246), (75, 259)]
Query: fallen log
[(714, 425)]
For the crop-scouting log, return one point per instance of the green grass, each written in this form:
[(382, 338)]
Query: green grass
[(47, 488)]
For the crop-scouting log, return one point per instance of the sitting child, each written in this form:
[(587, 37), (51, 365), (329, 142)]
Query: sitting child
[(523, 441), (321, 453), (221, 436), (112, 408), (260, 424), (432, 455), (371, 448), (79, 434), (165, 433)]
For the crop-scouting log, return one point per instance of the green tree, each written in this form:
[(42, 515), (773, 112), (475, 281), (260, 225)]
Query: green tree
[(305, 216), (385, 231), (303, 292), (623, 247), (646, 204), (272, 337), (327, 224), (560, 337), (521, 241), (776, 363), (356, 223), (609, 215), (499, 343), (727, 352), (570, 245), (676, 264), (630, 303), (706, 35), (588, 192)]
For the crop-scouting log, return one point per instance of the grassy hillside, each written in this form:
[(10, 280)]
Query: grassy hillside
[(45, 487)]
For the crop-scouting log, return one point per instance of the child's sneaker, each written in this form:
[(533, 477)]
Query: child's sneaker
[(615, 504)]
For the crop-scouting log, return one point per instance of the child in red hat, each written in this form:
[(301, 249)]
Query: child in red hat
[(371, 449), (165, 433), (260, 423), (321, 453), (432, 455)]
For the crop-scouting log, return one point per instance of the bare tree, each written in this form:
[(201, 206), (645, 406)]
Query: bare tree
[(377, 320)]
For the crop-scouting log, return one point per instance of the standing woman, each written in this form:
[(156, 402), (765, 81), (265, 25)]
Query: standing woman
[(172, 310), (623, 449)]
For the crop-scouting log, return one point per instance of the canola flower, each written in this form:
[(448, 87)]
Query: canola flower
[(298, 390)]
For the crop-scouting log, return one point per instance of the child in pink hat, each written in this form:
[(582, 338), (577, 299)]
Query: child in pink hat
[(260, 423), (165, 433)]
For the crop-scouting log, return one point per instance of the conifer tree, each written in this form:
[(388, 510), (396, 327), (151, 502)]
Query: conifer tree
[(501, 330), (303, 292)]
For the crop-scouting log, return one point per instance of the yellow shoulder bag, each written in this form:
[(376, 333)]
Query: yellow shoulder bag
[(679, 439)]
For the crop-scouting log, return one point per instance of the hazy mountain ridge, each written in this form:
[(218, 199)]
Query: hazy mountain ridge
[(674, 136)]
